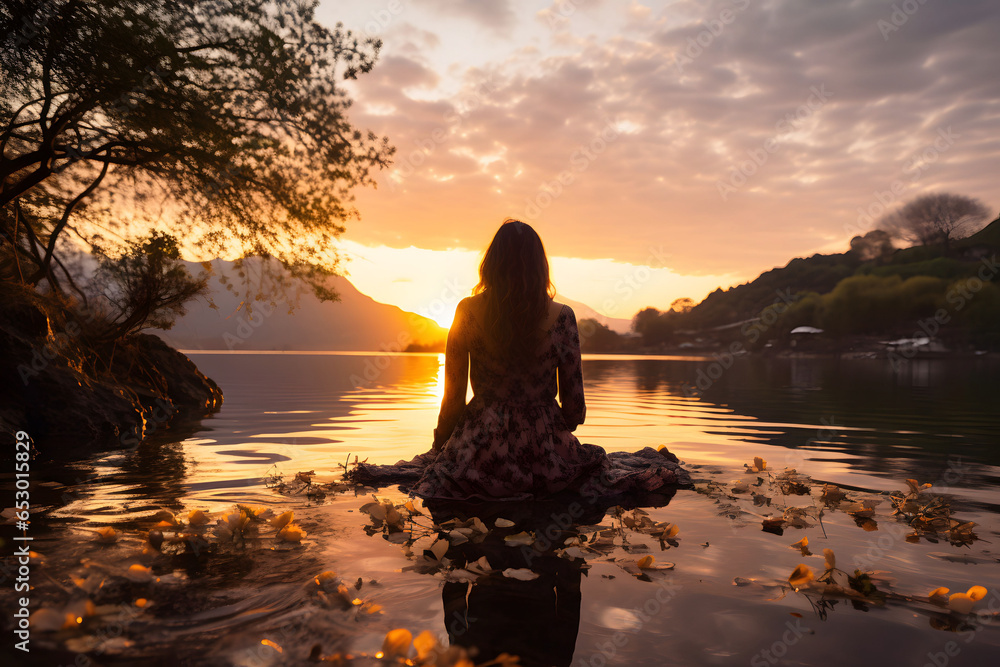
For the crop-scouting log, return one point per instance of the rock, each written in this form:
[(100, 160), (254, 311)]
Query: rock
[(73, 396)]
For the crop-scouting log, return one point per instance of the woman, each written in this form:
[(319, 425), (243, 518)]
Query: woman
[(520, 349)]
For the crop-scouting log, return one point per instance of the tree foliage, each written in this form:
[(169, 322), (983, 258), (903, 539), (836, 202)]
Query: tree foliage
[(936, 219), (655, 327), (596, 337), (876, 245), (222, 122), (146, 286)]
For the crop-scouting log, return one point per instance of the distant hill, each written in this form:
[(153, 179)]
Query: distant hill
[(355, 322), (583, 311), (947, 292), (820, 274)]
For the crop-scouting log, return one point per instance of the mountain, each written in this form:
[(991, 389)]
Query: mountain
[(583, 311), (355, 322)]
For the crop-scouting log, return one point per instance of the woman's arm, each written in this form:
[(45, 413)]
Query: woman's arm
[(574, 408), (456, 376)]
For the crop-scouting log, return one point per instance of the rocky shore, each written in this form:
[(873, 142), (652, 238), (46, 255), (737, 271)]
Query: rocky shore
[(74, 396)]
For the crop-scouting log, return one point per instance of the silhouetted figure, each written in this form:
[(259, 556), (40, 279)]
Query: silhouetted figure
[(520, 349)]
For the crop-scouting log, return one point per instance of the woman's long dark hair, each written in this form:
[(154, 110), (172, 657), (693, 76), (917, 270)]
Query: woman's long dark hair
[(514, 282)]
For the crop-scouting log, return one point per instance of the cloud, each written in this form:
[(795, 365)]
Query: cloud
[(494, 15), (626, 138)]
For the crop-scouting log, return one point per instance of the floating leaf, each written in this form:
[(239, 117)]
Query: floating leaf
[(282, 520), (801, 576), (803, 546), (645, 562), (480, 567), (392, 516), (759, 464), (961, 602), (832, 494), (939, 595), (425, 643), (519, 539), (439, 548), (50, 620), (773, 525), (90, 584), (374, 510), (197, 518), (397, 643), (165, 516), (522, 574), (107, 535), (291, 533), (503, 523), (977, 593), (139, 574), (831, 560), (669, 531)]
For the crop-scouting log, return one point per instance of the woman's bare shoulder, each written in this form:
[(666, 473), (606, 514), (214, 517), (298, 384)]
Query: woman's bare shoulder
[(561, 308), (470, 305), (555, 311)]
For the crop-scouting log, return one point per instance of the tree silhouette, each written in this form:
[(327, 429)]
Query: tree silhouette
[(936, 219), (654, 327), (875, 245), (222, 122)]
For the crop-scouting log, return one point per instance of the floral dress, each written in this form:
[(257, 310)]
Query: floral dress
[(513, 440)]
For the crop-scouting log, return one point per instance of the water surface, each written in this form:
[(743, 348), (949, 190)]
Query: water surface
[(859, 424)]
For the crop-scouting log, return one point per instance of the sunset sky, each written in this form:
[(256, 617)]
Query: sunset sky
[(661, 149)]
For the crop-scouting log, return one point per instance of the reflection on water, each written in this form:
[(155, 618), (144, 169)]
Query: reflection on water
[(860, 424)]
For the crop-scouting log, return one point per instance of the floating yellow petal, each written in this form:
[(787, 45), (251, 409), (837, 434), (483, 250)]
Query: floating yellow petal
[(801, 576), (197, 518), (425, 643), (139, 573), (961, 602), (803, 546), (670, 530), (291, 533), (646, 562), (165, 516), (282, 520), (324, 577), (107, 535), (977, 593), (759, 464), (397, 643)]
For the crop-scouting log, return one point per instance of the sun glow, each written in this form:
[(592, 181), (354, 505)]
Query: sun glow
[(432, 282)]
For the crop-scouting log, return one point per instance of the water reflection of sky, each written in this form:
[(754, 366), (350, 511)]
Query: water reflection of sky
[(857, 424)]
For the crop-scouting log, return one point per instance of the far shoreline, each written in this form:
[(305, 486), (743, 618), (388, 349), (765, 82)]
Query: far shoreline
[(674, 355)]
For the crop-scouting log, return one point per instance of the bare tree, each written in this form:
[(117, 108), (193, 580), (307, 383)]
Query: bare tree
[(936, 219)]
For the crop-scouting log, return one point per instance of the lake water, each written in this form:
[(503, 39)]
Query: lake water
[(859, 424)]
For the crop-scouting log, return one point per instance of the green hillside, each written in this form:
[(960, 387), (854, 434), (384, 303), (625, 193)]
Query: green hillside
[(847, 294)]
